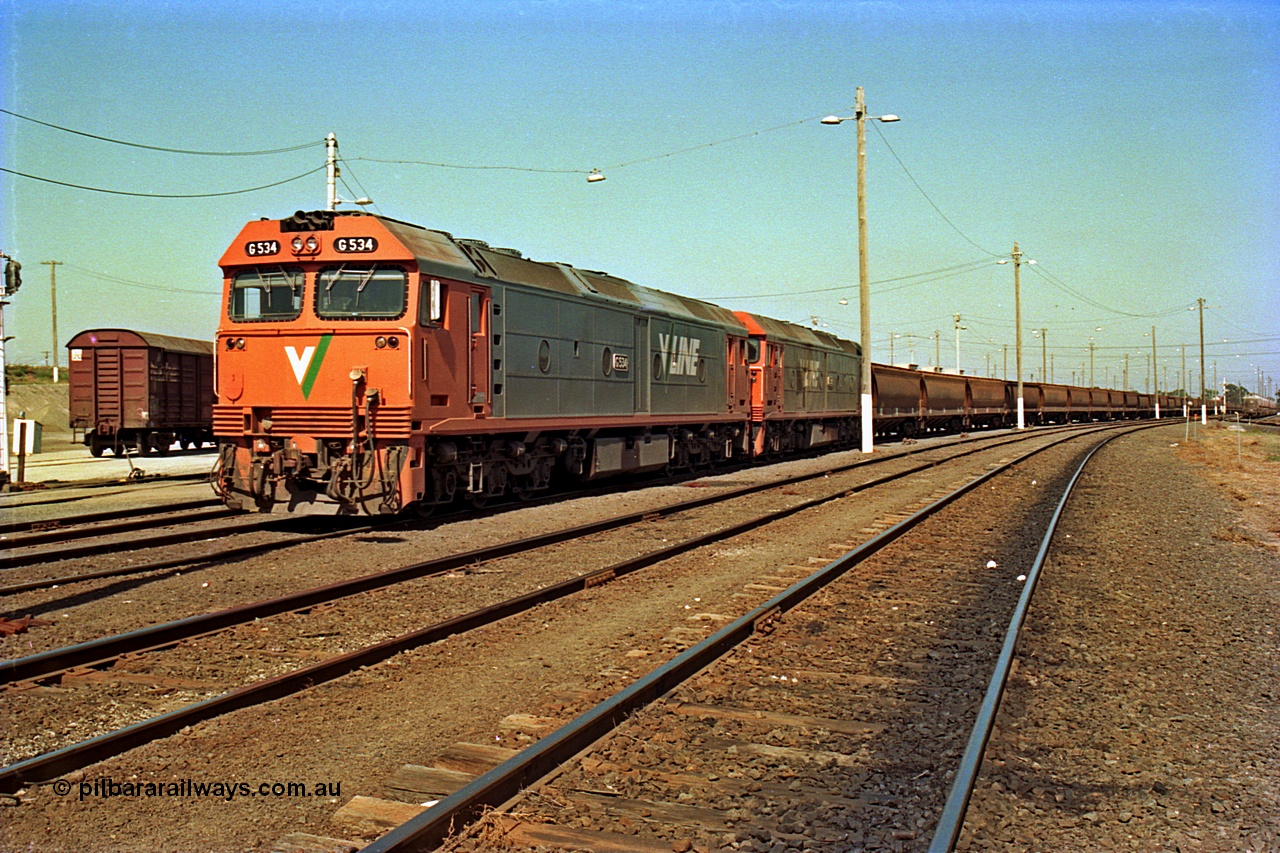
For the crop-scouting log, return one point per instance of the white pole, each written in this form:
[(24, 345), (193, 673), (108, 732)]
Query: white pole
[(864, 277), (331, 170)]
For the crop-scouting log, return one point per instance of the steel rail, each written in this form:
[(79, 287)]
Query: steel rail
[(951, 821), (47, 486), (76, 756), (99, 651), (15, 561), (497, 786), (68, 521), (235, 553), (49, 533)]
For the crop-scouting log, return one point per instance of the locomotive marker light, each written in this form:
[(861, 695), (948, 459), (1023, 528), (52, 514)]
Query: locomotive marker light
[(1017, 320), (864, 281)]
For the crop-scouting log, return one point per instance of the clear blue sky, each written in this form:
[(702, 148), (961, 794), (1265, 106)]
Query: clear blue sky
[(1132, 149)]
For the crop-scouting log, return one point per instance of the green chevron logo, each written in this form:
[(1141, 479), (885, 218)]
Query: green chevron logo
[(306, 365)]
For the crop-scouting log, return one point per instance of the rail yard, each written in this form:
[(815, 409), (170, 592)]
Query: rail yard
[(830, 722)]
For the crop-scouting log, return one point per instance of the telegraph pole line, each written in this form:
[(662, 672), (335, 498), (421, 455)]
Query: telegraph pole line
[(53, 299)]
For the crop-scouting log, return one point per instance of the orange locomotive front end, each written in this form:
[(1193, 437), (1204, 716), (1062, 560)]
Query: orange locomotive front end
[(326, 322)]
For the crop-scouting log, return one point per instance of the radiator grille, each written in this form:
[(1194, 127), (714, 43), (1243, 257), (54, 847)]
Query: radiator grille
[(318, 421)]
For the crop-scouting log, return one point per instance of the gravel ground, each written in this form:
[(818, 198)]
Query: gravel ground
[(357, 731), (1144, 712)]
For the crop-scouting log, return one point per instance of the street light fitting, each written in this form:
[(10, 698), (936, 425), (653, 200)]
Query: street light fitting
[(839, 119), (595, 177)]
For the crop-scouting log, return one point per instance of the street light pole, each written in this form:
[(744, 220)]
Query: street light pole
[(864, 277), (1204, 407), (1044, 355), (1017, 319), (1155, 389)]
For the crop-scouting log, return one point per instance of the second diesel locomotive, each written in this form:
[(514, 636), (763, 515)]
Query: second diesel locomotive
[(369, 365)]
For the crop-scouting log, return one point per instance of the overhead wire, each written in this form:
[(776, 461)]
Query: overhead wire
[(938, 210), (161, 195), (940, 273), (162, 148), (132, 283)]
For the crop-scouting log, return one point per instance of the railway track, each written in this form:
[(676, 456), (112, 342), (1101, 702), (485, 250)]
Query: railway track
[(100, 659), (34, 543), (834, 713)]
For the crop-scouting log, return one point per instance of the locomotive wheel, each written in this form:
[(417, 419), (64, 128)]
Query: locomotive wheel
[(143, 444), (95, 446)]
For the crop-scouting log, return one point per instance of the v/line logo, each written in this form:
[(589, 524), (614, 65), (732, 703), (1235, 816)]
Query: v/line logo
[(679, 353), (306, 365)]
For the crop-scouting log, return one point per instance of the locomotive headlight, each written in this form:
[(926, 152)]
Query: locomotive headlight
[(297, 244), (231, 343), (239, 343), (380, 342), (313, 245), (393, 342)]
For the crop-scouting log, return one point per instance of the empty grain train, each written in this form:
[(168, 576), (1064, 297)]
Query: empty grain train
[(368, 365)]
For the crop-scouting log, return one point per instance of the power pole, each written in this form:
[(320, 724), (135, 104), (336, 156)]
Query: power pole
[(1044, 358), (1154, 380), (1006, 362), (1092, 384), (1184, 381), (937, 348), (959, 329), (1126, 372), (1204, 408), (53, 299)]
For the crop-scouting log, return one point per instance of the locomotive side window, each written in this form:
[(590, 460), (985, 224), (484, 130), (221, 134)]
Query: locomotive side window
[(358, 292), (431, 302), (266, 293)]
